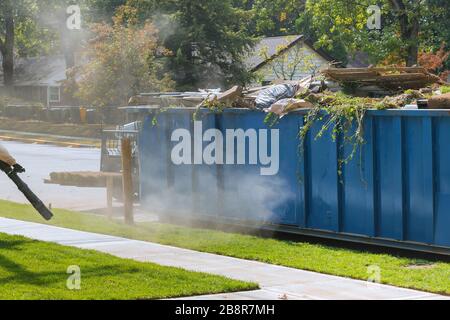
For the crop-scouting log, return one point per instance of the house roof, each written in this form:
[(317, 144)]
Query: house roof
[(272, 44), (40, 71)]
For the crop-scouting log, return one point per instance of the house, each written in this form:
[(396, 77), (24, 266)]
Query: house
[(286, 58), (40, 80)]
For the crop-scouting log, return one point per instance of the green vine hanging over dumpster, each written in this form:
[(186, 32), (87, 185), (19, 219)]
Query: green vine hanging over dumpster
[(344, 116), (212, 105)]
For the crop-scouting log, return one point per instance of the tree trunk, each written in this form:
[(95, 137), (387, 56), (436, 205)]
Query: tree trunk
[(69, 56), (8, 69), (409, 29), (412, 54), (411, 37), (7, 46)]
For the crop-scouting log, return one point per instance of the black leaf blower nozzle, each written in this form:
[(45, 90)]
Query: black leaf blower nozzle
[(12, 172)]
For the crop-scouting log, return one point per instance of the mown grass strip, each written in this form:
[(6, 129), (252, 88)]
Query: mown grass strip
[(405, 272)]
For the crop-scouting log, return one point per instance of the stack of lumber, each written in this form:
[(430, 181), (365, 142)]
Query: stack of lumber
[(393, 78), (84, 179)]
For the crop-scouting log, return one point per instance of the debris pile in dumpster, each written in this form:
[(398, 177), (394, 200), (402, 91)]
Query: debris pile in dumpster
[(386, 88), (389, 78)]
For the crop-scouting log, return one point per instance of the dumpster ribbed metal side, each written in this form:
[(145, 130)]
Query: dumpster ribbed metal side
[(394, 192)]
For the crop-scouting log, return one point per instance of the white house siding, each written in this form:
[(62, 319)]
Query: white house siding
[(267, 72)]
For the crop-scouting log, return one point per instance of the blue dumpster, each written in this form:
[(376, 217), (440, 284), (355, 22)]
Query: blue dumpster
[(394, 192)]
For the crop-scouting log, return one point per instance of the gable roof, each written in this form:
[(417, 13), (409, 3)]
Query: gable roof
[(272, 44), (39, 71)]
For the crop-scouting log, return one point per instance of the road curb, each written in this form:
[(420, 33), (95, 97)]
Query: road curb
[(41, 141)]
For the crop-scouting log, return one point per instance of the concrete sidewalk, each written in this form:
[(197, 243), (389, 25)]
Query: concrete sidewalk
[(276, 282)]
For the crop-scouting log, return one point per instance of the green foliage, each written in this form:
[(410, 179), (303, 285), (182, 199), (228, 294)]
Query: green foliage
[(445, 89), (340, 27), (123, 62), (276, 17), (271, 119), (436, 27), (157, 112), (32, 40), (211, 104), (214, 105), (102, 10), (38, 25), (342, 116), (208, 40)]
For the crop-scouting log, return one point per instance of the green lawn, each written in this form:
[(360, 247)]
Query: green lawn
[(399, 271), (38, 270)]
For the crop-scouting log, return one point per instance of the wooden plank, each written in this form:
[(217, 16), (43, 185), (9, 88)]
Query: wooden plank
[(389, 77), (380, 69), (86, 179), (230, 96), (127, 180), (109, 196), (374, 77), (354, 76), (403, 77)]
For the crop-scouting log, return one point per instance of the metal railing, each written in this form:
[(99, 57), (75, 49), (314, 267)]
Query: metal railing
[(111, 146)]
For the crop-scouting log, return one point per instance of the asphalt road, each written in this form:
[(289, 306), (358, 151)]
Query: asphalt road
[(40, 160)]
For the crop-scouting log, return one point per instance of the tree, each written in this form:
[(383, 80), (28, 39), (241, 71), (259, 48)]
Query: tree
[(408, 14), (276, 17), (208, 39), (24, 33), (209, 43), (343, 23), (434, 62), (435, 31), (102, 10), (122, 62), (54, 16), (7, 40)]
